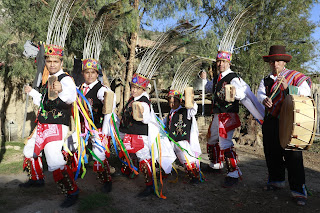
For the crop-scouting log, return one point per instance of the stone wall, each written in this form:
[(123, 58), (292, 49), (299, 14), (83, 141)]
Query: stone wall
[(12, 108), (316, 97)]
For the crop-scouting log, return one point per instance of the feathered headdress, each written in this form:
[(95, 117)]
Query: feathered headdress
[(94, 38), (230, 36), (92, 45), (58, 28), (164, 46), (187, 69)]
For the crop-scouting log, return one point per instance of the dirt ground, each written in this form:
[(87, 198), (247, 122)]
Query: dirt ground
[(208, 196)]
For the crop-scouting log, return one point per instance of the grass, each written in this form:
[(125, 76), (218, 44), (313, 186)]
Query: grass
[(98, 202), (11, 168), (12, 159)]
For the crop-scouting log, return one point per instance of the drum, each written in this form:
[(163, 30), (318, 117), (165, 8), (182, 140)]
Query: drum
[(297, 123)]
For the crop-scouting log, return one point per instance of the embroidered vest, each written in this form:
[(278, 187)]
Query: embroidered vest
[(179, 126), (128, 124), (55, 111), (219, 103), (96, 105)]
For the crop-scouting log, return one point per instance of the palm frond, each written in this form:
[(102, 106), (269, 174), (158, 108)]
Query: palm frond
[(59, 23), (94, 38), (185, 73), (165, 46), (230, 36)]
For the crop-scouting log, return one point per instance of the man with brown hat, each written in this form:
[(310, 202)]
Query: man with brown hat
[(278, 158)]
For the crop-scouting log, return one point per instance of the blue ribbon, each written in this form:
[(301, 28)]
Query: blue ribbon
[(116, 149)]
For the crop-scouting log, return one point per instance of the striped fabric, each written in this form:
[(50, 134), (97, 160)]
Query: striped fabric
[(294, 78)]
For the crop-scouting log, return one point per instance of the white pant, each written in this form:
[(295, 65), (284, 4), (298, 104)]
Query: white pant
[(52, 150), (72, 144), (97, 149), (144, 153), (182, 155), (224, 143)]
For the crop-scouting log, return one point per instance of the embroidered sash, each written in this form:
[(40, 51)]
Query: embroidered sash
[(293, 78), (227, 122), (47, 133)]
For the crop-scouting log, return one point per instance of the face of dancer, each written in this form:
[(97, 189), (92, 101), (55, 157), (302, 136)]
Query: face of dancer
[(53, 64), (90, 75), (136, 91), (222, 65), (277, 66), (174, 103)]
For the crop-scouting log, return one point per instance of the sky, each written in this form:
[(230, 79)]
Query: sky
[(315, 17)]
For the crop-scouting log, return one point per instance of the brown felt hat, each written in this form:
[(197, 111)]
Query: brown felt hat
[(277, 53)]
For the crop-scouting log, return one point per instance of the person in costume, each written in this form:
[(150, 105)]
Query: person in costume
[(53, 119), (136, 132), (181, 126), (278, 158), (52, 126), (139, 123), (225, 112), (94, 91), (225, 119)]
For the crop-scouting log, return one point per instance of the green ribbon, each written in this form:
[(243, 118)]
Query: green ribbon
[(121, 142), (167, 134)]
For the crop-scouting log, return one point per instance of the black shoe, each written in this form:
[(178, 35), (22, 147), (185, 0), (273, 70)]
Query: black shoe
[(300, 201), (146, 192), (32, 183), (194, 181), (274, 186), (271, 188), (230, 182), (69, 201), (107, 187)]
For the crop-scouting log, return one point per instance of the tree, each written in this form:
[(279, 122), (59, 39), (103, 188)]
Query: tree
[(275, 22), (28, 19), (123, 40)]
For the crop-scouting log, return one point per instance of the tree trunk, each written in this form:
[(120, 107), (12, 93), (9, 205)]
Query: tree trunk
[(132, 54), (123, 80), (121, 104)]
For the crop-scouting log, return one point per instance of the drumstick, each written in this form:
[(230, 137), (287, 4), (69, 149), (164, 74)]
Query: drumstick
[(274, 92)]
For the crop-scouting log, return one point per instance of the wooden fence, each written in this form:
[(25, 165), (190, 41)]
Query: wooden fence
[(316, 97)]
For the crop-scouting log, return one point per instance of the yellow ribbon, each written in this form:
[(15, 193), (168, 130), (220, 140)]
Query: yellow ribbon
[(88, 119), (154, 171), (176, 180)]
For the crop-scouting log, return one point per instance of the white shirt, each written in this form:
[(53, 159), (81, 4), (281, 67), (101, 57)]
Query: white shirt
[(100, 93), (240, 88), (67, 95), (100, 96), (190, 112), (303, 89)]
